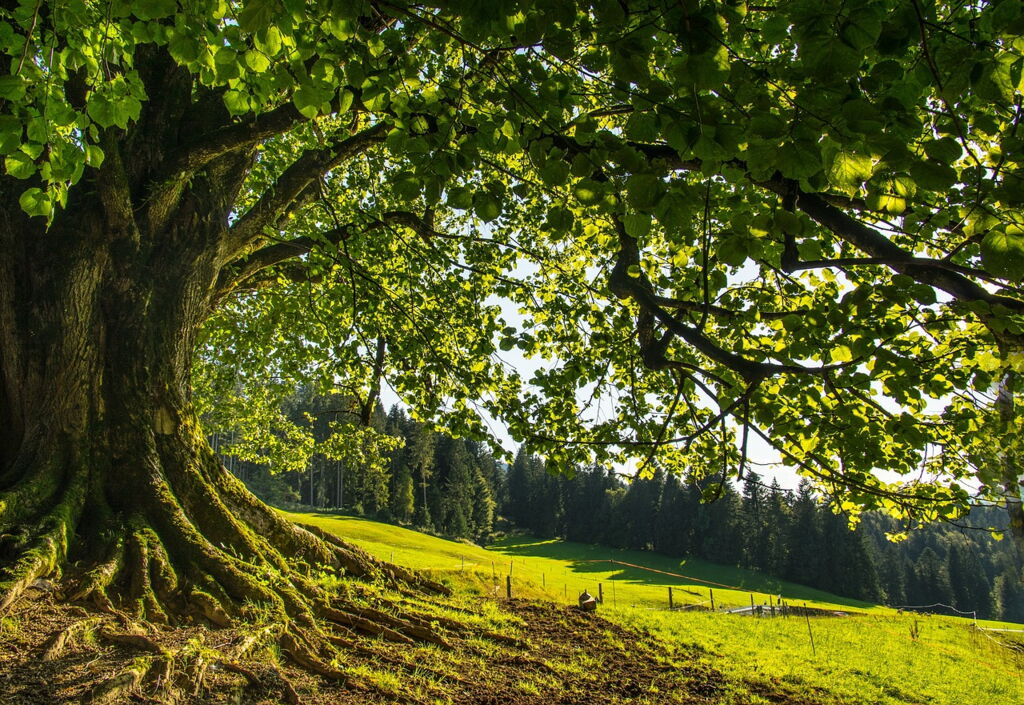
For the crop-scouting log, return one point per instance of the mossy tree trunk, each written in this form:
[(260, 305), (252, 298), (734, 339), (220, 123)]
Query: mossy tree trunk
[(103, 465)]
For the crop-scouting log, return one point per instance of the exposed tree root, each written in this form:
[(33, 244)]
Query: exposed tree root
[(179, 542), (63, 639), (127, 681), (47, 550)]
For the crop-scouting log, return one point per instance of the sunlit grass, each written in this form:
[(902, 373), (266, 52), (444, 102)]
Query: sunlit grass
[(874, 656)]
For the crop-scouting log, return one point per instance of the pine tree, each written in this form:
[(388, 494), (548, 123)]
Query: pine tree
[(777, 520), (639, 510), (806, 550), (720, 531), (754, 523), (931, 580)]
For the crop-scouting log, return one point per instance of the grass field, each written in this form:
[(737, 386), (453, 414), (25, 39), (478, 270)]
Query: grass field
[(874, 655)]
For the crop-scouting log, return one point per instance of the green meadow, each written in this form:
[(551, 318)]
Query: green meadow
[(858, 653)]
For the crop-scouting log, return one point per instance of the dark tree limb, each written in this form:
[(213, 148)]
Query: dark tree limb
[(295, 182)]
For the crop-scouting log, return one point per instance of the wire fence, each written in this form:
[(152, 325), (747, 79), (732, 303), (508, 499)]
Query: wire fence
[(517, 577)]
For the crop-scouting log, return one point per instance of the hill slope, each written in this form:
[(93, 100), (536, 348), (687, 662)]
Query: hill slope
[(875, 655)]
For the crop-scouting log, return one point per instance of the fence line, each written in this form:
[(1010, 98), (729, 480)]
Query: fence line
[(665, 572)]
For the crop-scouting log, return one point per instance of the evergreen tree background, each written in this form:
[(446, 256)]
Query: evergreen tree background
[(456, 488)]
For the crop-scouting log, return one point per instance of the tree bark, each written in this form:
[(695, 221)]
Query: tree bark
[(1009, 461), (107, 482)]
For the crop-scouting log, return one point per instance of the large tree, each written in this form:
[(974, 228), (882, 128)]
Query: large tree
[(717, 221)]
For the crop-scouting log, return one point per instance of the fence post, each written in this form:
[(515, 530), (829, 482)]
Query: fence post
[(771, 605), (807, 616), (752, 612), (508, 586), (600, 593), (670, 606), (711, 594)]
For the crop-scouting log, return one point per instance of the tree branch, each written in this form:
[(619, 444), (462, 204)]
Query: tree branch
[(241, 271), (293, 183)]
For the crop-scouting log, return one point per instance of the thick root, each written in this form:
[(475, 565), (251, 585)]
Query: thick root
[(124, 683), (48, 550), (304, 655), (191, 547), (63, 639)]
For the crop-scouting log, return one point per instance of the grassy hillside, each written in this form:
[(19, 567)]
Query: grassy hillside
[(874, 655)]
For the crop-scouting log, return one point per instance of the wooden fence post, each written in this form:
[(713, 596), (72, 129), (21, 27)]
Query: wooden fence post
[(600, 593), (508, 586), (752, 612), (711, 594), (807, 616), (670, 606)]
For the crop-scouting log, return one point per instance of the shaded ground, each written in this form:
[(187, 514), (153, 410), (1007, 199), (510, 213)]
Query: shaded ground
[(545, 654)]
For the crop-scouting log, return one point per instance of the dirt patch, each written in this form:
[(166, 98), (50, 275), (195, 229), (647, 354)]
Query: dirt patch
[(588, 659), (558, 656)]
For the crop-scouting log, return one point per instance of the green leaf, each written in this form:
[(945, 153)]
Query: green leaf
[(183, 49), (340, 28), (637, 224), (237, 102), (946, 150), (108, 109), (257, 15), (643, 190), (256, 61), (270, 40), (1002, 253), (407, 185), (555, 172), (310, 101), (933, 175), (20, 165), (154, 9), (94, 156), (11, 134), (849, 170), (12, 88), (842, 353), (459, 197), (35, 201), (733, 249), (799, 160), (588, 192), (486, 207)]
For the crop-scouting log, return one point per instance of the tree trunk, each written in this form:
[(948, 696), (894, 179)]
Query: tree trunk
[(1009, 460), (106, 479)]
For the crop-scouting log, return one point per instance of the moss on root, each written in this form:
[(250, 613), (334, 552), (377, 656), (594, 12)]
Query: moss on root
[(193, 547)]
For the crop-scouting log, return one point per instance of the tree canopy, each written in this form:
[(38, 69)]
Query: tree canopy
[(798, 221)]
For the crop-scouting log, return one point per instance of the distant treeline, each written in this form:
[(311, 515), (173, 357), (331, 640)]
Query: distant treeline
[(791, 535), (456, 488)]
